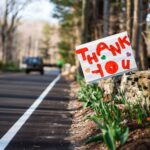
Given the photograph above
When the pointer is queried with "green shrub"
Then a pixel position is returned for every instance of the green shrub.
(111, 120)
(107, 115)
(9, 66)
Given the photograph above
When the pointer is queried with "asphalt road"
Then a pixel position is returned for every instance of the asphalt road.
(48, 126)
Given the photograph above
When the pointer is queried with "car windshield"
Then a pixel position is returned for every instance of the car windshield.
(34, 60)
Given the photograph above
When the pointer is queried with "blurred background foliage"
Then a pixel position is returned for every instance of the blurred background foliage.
(86, 20)
(69, 13)
(79, 21)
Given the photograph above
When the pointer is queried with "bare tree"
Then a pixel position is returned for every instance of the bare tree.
(129, 17)
(114, 23)
(106, 17)
(135, 31)
(92, 20)
(46, 41)
(92, 16)
(9, 22)
(139, 27)
(143, 45)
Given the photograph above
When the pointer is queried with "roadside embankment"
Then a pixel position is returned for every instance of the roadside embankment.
(129, 96)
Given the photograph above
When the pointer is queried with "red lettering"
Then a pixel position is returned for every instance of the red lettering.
(123, 41)
(100, 71)
(93, 57)
(126, 65)
(82, 52)
(111, 67)
(100, 47)
(113, 49)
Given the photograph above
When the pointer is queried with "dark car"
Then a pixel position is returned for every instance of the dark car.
(34, 64)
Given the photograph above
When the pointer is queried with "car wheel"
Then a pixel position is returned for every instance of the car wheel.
(42, 72)
(27, 71)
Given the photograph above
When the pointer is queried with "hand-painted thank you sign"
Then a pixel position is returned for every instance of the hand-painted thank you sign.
(106, 57)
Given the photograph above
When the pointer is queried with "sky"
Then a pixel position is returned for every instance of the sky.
(40, 10)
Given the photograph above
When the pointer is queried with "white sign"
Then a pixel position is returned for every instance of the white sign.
(106, 57)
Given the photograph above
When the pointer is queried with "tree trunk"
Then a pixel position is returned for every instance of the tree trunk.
(105, 17)
(129, 17)
(9, 22)
(9, 48)
(91, 21)
(4, 46)
(122, 15)
(143, 45)
(114, 18)
(139, 27)
(85, 21)
(7, 41)
(135, 32)
(98, 23)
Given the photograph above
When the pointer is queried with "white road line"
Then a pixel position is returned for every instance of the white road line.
(6, 139)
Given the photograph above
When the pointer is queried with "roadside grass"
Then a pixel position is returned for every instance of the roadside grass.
(112, 117)
(10, 67)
